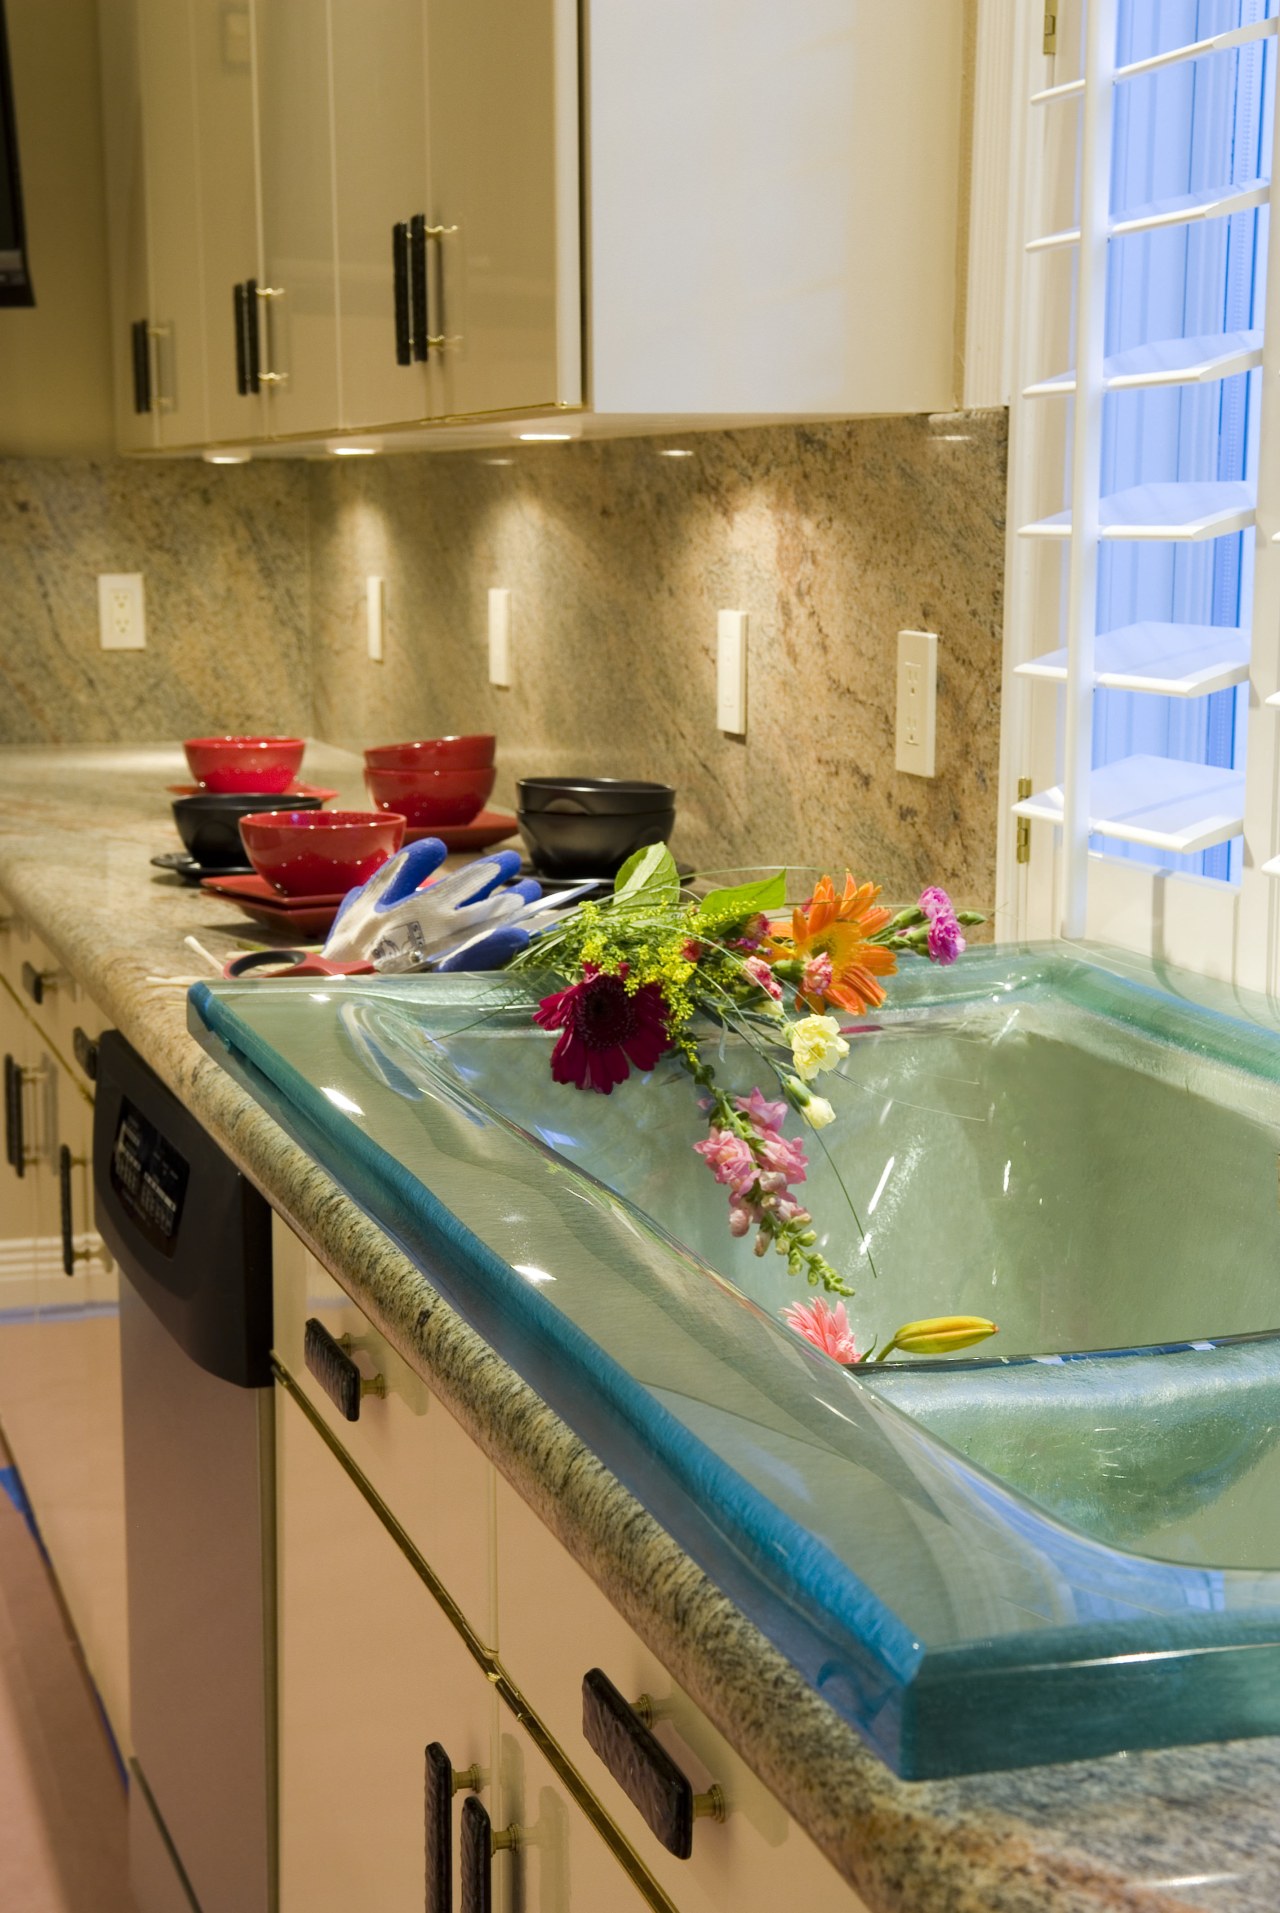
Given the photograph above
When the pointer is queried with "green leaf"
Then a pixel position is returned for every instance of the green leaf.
(745, 899)
(650, 873)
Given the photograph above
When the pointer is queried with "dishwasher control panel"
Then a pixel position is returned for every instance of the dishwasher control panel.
(149, 1177)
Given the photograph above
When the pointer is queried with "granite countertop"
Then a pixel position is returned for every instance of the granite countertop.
(1187, 1828)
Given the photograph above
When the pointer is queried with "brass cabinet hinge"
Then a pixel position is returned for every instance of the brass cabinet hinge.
(1024, 823)
(1051, 26)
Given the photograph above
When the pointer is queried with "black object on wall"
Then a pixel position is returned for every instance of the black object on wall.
(16, 288)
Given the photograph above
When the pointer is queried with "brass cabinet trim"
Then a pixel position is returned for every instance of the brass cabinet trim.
(512, 1696)
(43, 1033)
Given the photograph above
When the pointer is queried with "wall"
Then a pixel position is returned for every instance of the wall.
(55, 369)
(223, 553)
(831, 537)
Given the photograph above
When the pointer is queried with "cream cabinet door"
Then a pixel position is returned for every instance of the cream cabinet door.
(125, 175)
(75, 1473)
(380, 170)
(502, 117)
(370, 1674)
(297, 297)
(231, 248)
(556, 1861)
(177, 315)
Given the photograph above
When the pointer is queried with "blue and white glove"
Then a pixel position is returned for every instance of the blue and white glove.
(394, 924)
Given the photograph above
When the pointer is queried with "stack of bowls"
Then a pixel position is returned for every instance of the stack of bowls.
(436, 781)
(589, 826)
(209, 825)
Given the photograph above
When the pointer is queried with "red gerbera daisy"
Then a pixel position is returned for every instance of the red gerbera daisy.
(606, 1028)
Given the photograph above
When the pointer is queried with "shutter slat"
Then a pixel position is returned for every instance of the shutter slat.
(1159, 802)
(1162, 660)
(1212, 202)
(1198, 361)
(1170, 511)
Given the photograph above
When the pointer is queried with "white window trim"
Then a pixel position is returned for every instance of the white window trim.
(1227, 931)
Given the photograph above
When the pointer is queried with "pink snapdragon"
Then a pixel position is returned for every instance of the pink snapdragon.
(946, 939)
(730, 1159)
(827, 1328)
(762, 976)
(760, 1112)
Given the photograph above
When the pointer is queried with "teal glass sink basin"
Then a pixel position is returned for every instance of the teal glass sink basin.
(1058, 1544)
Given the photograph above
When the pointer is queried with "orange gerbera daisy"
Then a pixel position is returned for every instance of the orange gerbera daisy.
(839, 929)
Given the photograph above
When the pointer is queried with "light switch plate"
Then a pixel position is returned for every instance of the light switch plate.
(375, 615)
(731, 672)
(122, 612)
(500, 637)
(917, 702)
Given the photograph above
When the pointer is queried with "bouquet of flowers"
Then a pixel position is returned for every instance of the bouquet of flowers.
(637, 969)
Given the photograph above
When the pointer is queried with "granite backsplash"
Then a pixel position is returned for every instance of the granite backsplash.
(831, 537)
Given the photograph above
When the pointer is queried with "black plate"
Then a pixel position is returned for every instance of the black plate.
(186, 867)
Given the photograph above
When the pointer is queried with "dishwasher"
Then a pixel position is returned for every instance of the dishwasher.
(193, 1241)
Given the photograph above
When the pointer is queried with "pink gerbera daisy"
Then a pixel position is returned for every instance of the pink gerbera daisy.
(606, 1028)
(827, 1328)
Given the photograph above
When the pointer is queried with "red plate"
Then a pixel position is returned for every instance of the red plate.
(271, 800)
(490, 827)
(300, 916)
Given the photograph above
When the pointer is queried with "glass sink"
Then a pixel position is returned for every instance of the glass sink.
(1056, 1545)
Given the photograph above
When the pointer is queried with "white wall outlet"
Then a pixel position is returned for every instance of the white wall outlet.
(375, 603)
(122, 611)
(917, 702)
(731, 672)
(500, 637)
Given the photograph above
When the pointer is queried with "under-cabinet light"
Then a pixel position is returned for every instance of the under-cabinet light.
(544, 438)
(354, 451)
(227, 458)
(674, 452)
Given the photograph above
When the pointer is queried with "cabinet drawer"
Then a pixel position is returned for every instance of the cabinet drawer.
(426, 1469)
(554, 1625)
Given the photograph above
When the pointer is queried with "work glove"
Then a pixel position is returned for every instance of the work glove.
(395, 923)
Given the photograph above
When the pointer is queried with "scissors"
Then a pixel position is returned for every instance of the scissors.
(278, 963)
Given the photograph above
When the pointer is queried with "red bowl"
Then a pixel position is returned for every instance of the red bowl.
(313, 853)
(432, 797)
(266, 764)
(433, 753)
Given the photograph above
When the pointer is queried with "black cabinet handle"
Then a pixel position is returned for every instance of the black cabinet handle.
(64, 1194)
(252, 338)
(477, 1845)
(442, 1782)
(400, 282)
(86, 1052)
(15, 1153)
(242, 340)
(34, 981)
(335, 1371)
(141, 366)
(643, 1768)
(420, 329)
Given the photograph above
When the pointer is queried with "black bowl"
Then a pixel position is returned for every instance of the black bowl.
(578, 844)
(593, 796)
(209, 824)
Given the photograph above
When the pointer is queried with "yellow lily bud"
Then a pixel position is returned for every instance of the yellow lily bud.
(939, 1334)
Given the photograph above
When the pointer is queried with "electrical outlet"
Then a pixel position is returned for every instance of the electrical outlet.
(122, 615)
(917, 702)
(731, 672)
(500, 638)
(375, 616)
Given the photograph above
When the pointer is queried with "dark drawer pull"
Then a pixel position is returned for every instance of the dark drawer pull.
(643, 1768)
(419, 325)
(335, 1371)
(252, 339)
(139, 342)
(35, 982)
(86, 1053)
(241, 321)
(15, 1153)
(477, 1846)
(69, 1256)
(400, 287)
(442, 1781)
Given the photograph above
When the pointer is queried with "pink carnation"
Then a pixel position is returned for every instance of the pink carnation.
(762, 976)
(935, 903)
(827, 1328)
(817, 975)
(946, 940)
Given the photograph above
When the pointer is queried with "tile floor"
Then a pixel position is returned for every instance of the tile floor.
(63, 1840)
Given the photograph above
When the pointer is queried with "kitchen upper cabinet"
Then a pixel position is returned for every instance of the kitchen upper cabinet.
(177, 304)
(502, 130)
(380, 168)
(125, 167)
(230, 239)
(297, 316)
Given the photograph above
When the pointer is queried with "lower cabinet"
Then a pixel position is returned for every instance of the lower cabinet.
(383, 1711)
